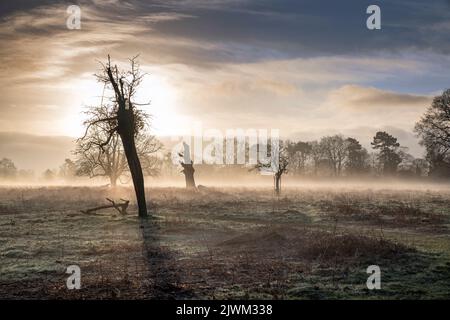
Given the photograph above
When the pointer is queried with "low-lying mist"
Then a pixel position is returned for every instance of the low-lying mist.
(249, 181)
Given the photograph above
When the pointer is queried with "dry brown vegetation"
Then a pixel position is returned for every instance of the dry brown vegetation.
(388, 212)
(225, 243)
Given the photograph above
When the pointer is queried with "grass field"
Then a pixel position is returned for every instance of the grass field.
(226, 243)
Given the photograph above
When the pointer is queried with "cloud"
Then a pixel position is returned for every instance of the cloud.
(39, 46)
(216, 32)
(284, 64)
(372, 99)
(356, 106)
(305, 28)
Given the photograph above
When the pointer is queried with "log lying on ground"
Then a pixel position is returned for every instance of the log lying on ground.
(121, 207)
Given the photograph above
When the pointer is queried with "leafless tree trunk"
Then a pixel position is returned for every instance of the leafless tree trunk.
(126, 132)
(188, 167)
(281, 168)
(277, 178)
(188, 171)
(126, 129)
(122, 120)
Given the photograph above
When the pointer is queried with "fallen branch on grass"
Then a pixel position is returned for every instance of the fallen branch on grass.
(121, 207)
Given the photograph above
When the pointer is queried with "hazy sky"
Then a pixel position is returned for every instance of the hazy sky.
(308, 68)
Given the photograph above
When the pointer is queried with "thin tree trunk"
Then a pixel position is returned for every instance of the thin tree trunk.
(277, 183)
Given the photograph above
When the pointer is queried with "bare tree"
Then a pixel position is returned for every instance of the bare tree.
(67, 170)
(7, 168)
(123, 119)
(97, 160)
(334, 148)
(299, 152)
(283, 163)
(317, 155)
(281, 166)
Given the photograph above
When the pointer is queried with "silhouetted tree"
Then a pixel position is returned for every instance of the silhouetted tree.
(317, 154)
(188, 167)
(68, 169)
(407, 166)
(278, 168)
(375, 166)
(94, 159)
(125, 120)
(434, 132)
(48, 175)
(281, 169)
(357, 156)
(388, 155)
(421, 167)
(167, 166)
(298, 153)
(334, 150)
(7, 168)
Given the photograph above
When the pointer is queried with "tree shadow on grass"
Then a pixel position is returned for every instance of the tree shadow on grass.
(163, 271)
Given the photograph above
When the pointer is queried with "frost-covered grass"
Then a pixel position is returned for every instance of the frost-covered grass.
(226, 243)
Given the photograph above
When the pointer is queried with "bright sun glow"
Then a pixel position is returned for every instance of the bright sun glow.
(80, 94)
(163, 108)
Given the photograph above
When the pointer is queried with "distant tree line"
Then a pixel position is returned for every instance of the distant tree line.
(330, 156)
(345, 156)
